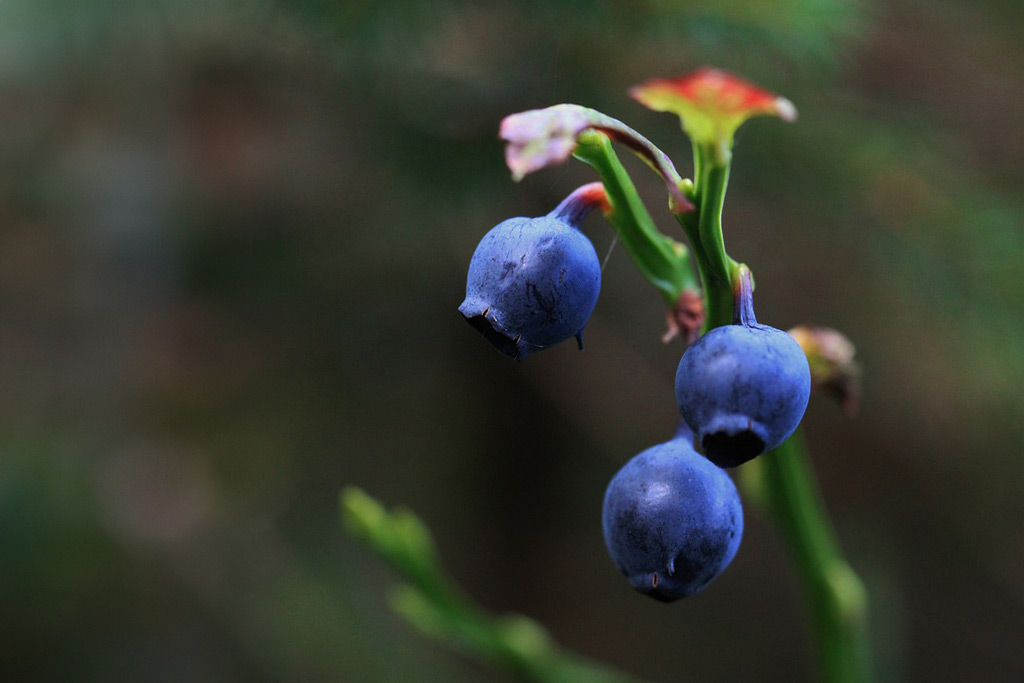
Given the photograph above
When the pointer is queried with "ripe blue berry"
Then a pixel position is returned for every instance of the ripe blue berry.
(672, 520)
(742, 388)
(533, 282)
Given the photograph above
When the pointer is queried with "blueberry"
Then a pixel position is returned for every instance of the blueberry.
(533, 282)
(672, 520)
(742, 388)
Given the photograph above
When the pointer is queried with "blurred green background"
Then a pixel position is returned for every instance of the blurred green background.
(233, 236)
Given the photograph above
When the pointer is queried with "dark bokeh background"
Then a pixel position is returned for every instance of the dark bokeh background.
(233, 235)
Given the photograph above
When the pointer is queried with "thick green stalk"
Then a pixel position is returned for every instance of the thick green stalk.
(784, 479)
(663, 261)
(834, 594)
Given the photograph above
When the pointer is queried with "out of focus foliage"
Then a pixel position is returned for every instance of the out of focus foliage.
(233, 235)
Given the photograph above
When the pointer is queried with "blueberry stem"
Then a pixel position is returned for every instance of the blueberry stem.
(710, 186)
(574, 208)
(743, 307)
(663, 261)
(679, 201)
(703, 229)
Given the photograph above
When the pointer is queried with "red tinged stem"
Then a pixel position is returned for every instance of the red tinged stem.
(583, 199)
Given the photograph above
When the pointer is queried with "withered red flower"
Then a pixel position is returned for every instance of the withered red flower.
(834, 370)
(543, 137)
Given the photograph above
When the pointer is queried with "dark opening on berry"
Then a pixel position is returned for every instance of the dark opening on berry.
(742, 388)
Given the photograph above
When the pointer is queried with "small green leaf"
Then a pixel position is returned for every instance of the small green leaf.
(362, 515)
(413, 606)
(525, 637)
(412, 534)
(433, 605)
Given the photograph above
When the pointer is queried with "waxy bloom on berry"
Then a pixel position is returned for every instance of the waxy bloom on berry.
(533, 282)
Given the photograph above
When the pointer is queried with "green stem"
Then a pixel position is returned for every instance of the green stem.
(663, 261)
(787, 485)
(703, 229)
(835, 595)
(431, 602)
(714, 181)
